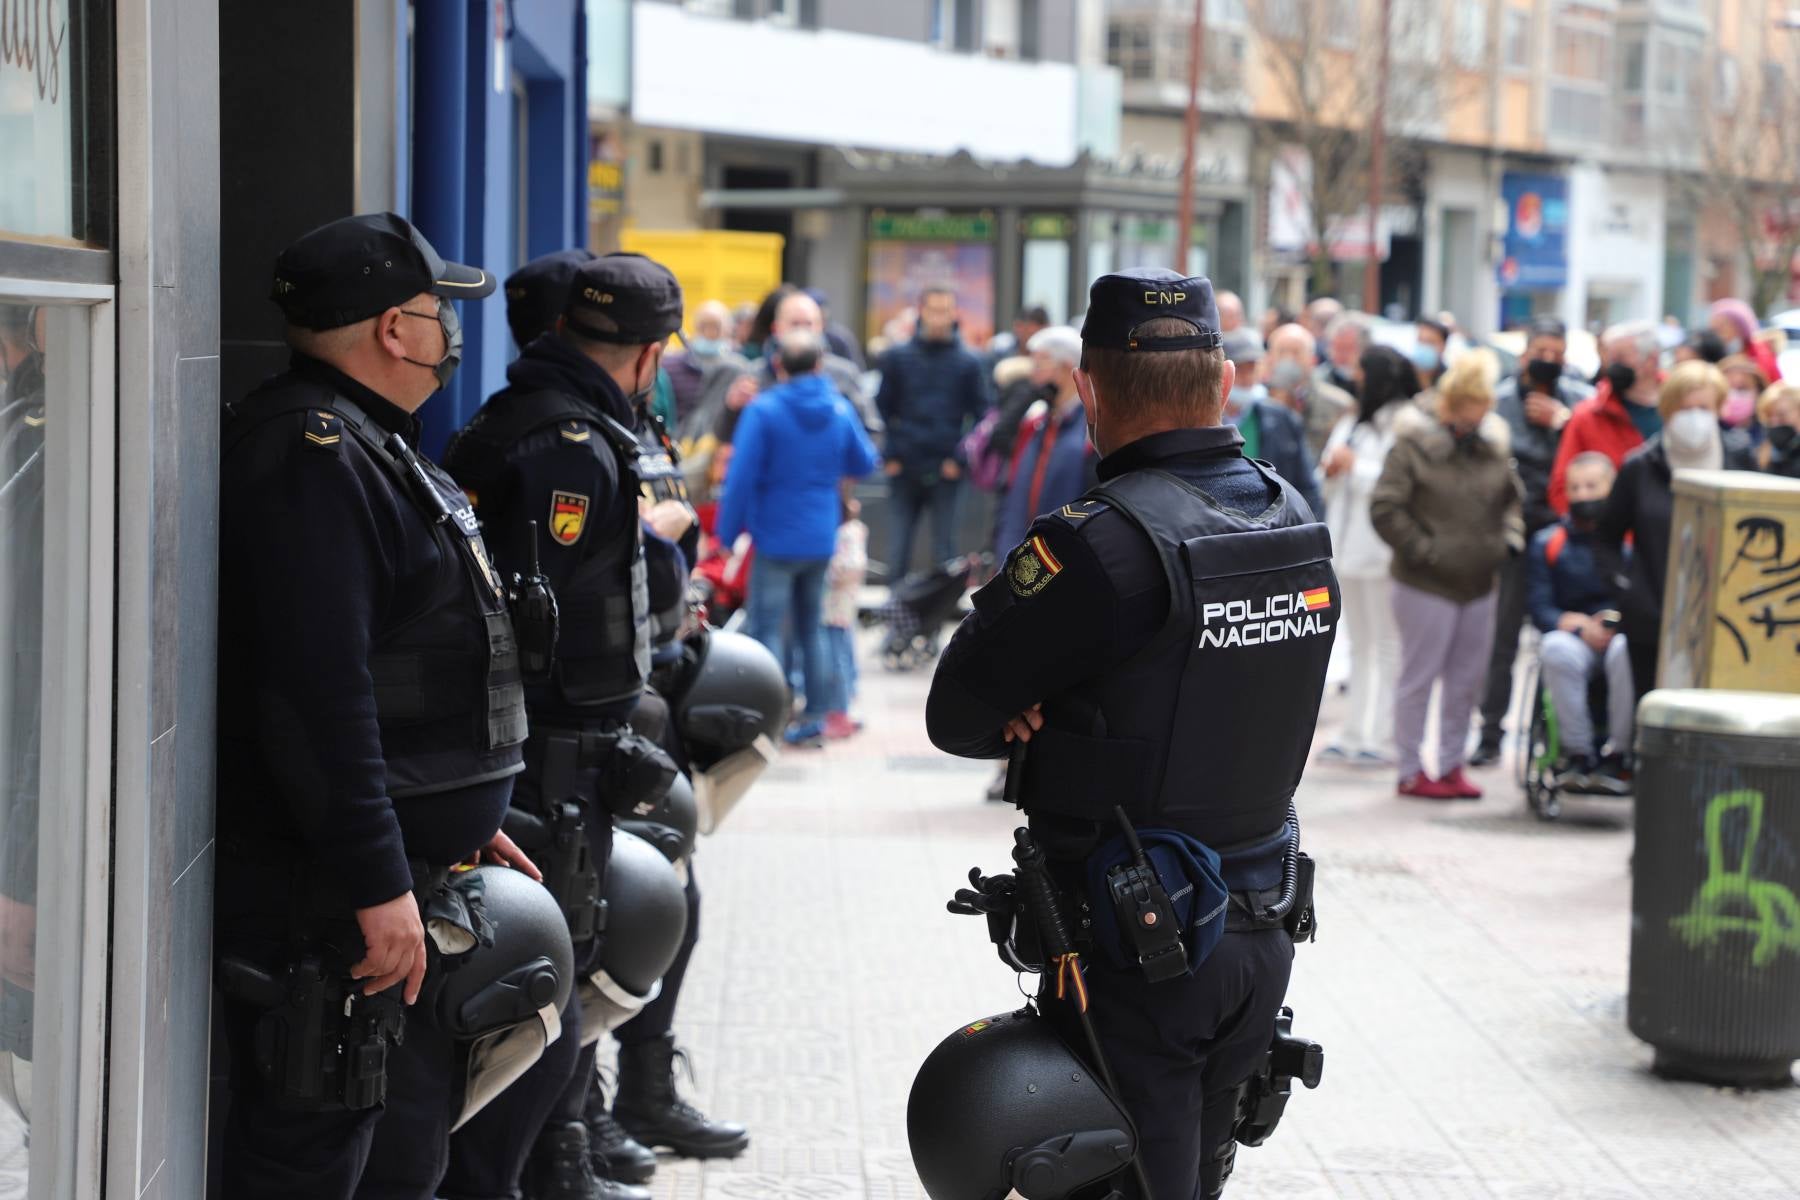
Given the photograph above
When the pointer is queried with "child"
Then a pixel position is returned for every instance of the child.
(1570, 587)
(843, 587)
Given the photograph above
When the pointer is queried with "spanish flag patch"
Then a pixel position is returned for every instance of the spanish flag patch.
(1031, 567)
(568, 515)
(1317, 598)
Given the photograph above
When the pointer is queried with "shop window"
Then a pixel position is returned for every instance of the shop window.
(46, 480)
(55, 123)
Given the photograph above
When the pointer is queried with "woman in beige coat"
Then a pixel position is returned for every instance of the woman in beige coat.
(1448, 503)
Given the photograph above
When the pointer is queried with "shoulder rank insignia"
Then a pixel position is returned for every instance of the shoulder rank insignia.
(568, 516)
(573, 432)
(1031, 567)
(324, 429)
(1079, 511)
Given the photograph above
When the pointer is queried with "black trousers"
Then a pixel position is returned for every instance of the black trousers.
(488, 1155)
(1509, 618)
(1179, 1049)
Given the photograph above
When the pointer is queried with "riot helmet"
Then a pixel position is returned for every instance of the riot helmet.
(1004, 1107)
(501, 969)
(670, 823)
(730, 703)
(646, 920)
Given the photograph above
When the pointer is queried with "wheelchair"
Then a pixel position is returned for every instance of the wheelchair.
(1540, 749)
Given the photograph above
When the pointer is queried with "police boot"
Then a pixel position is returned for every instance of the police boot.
(651, 1111)
(613, 1152)
(560, 1170)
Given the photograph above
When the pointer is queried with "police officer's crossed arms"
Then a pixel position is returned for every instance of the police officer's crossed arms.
(1160, 645)
(370, 726)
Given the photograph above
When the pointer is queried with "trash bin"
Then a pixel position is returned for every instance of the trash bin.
(1715, 923)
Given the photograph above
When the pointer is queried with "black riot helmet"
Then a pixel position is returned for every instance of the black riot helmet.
(501, 970)
(646, 919)
(670, 823)
(1003, 1106)
(509, 961)
(731, 693)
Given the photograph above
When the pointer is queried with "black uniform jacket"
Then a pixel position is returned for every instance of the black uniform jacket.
(320, 553)
(1108, 599)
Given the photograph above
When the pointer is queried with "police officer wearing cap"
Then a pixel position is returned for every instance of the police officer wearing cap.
(371, 722)
(1187, 600)
(570, 449)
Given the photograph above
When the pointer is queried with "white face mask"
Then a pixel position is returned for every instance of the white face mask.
(1691, 438)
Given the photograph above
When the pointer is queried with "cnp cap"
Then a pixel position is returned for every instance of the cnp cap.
(623, 298)
(1119, 305)
(353, 268)
(537, 291)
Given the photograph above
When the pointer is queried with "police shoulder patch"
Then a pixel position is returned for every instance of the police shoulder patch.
(568, 517)
(324, 430)
(1031, 567)
(573, 431)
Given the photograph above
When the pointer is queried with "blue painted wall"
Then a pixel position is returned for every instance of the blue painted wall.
(466, 190)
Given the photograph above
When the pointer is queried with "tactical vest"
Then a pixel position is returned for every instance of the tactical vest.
(1207, 728)
(603, 651)
(660, 478)
(448, 696)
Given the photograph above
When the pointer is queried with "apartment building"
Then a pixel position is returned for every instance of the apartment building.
(1546, 156)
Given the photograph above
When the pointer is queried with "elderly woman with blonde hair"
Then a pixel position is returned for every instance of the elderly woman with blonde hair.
(1448, 503)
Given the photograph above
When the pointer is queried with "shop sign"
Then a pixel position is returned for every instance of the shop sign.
(931, 227)
(1046, 226)
(1534, 256)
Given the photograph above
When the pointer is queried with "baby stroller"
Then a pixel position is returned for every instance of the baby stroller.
(917, 609)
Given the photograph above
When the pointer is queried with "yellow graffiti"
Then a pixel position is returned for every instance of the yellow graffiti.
(1730, 901)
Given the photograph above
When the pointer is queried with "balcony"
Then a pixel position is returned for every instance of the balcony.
(825, 87)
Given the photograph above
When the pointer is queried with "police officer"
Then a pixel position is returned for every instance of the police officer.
(563, 446)
(1161, 645)
(371, 722)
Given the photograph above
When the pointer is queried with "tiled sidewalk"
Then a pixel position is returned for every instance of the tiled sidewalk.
(1468, 986)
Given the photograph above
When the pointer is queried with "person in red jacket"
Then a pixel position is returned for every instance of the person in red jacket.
(1621, 414)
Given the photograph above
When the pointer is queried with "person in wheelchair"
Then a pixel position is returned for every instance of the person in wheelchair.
(1572, 591)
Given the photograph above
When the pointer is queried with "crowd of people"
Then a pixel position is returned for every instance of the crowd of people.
(1468, 502)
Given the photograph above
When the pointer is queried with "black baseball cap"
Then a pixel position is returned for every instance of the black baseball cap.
(353, 268)
(638, 297)
(1121, 303)
(537, 292)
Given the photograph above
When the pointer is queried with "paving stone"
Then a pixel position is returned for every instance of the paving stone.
(1468, 986)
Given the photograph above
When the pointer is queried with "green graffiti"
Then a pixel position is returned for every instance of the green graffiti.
(1730, 901)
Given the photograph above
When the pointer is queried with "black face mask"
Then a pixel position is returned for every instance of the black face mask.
(1783, 437)
(1622, 377)
(1587, 512)
(1543, 374)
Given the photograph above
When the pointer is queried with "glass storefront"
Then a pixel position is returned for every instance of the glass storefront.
(55, 122)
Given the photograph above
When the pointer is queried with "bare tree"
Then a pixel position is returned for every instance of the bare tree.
(1321, 58)
(1746, 138)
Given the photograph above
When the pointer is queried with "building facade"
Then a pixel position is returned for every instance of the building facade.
(154, 156)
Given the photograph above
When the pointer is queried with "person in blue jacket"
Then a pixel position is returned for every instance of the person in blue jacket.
(932, 389)
(1571, 587)
(794, 445)
(1272, 432)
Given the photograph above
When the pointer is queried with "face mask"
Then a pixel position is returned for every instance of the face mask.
(1692, 439)
(1587, 512)
(1544, 374)
(1740, 406)
(1622, 377)
(701, 347)
(1783, 437)
(446, 366)
(1424, 357)
(1286, 375)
